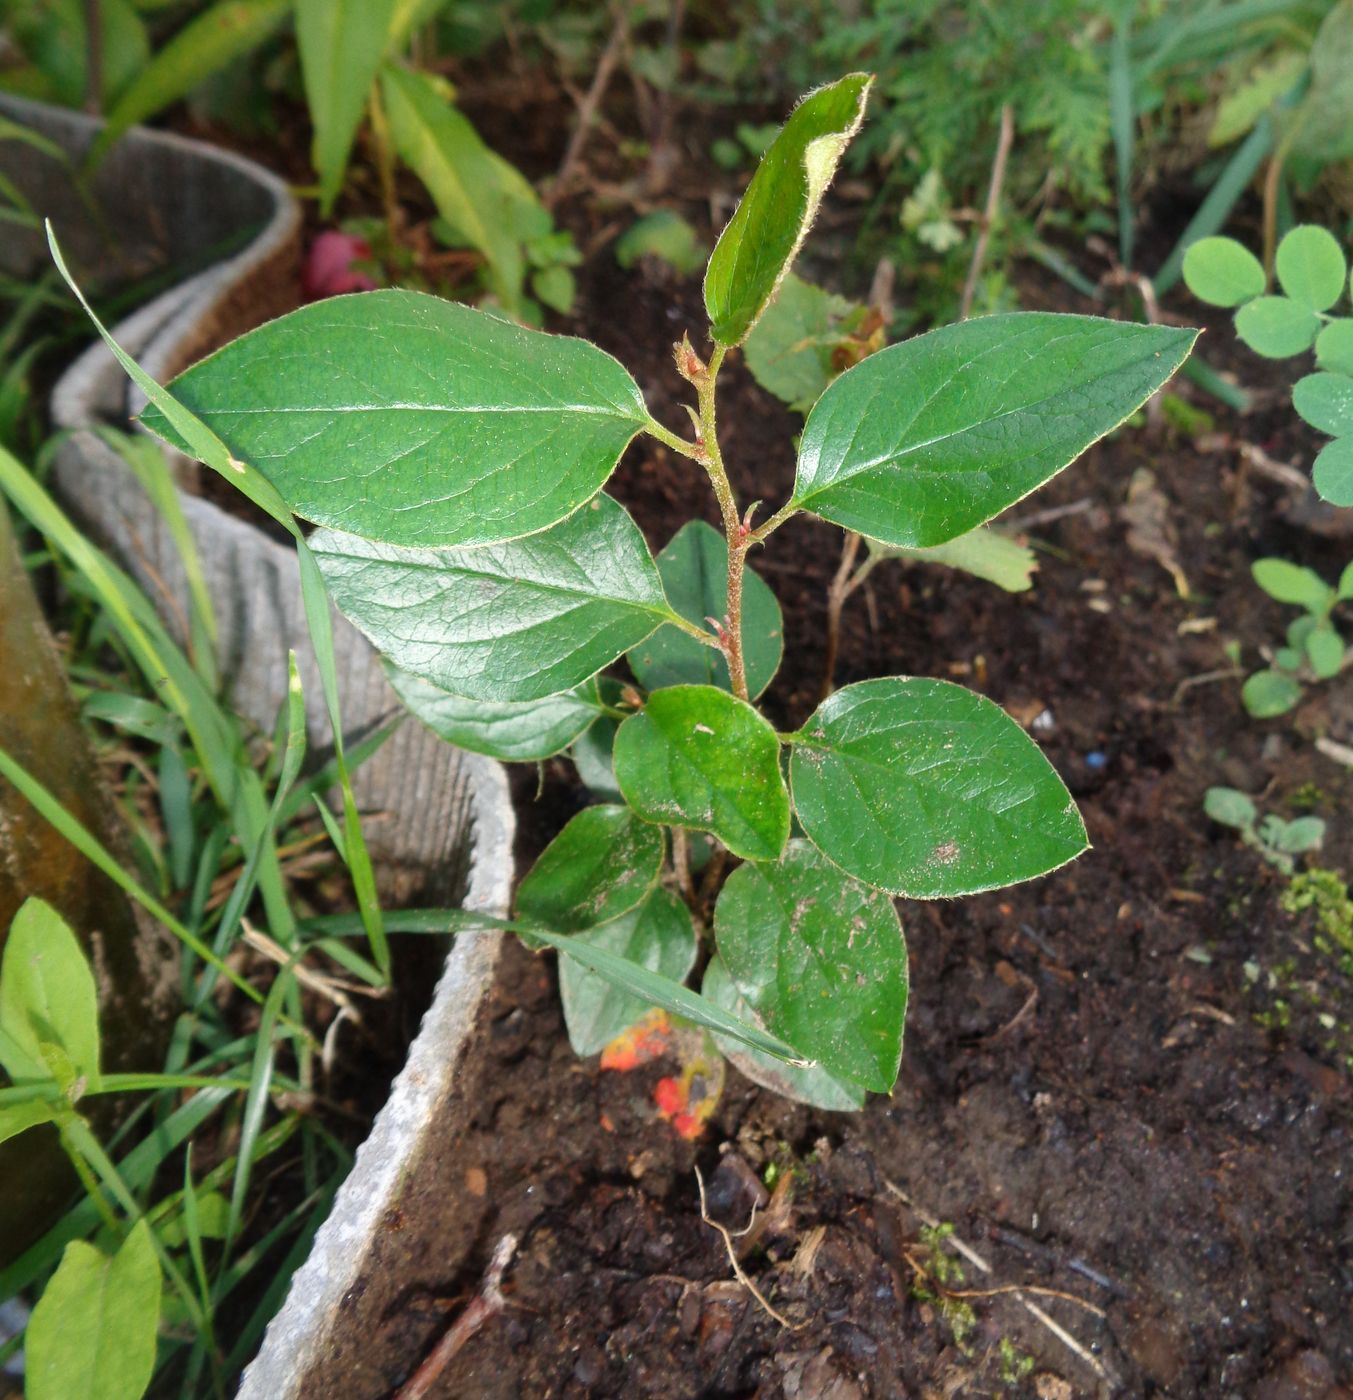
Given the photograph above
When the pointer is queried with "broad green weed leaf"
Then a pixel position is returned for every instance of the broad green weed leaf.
(600, 866)
(1334, 347)
(514, 621)
(789, 351)
(694, 570)
(415, 421)
(48, 1002)
(512, 732)
(1345, 586)
(1277, 327)
(664, 235)
(340, 43)
(1325, 401)
(93, 1332)
(1332, 473)
(1310, 266)
(659, 936)
(984, 553)
(16, 1118)
(1229, 807)
(1268, 694)
(813, 1085)
(1240, 108)
(1324, 121)
(757, 247)
(696, 756)
(1291, 583)
(925, 789)
(1222, 272)
(1325, 652)
(1293, 838)
(926, 440)
(821, 959)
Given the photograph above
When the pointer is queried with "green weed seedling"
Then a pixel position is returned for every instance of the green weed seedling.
(1313, 276)
(1314, 647)
(454, 463)
(1277, 839)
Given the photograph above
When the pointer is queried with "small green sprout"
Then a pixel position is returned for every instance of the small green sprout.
(1275, 838)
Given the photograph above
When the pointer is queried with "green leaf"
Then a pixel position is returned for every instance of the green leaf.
(926, 440)
(664, 235)
(54, 36)
(694, 570)
(924, 789)
(514, 621)
(1291, 583)
(1345, 586)
(789, 352)
(16, 1118)
(1334, 346)
(1276, 327)
(520, 732)
(602, 865)
(696, 756)
(1325, 651)
(812, 1085)
(1310, 266)
(659, 936)
(340, 43)
(1240, 108)
(1293, 838)
(762, 238)
(205, 45)
(821, 959)
(48, 1002)
(1332, 473)
(984, 553)
(556, 287)
(1269, 693)
(413, 420)
(592, 750)
(1325, 401)
(1324, 123)
(1229, 807)
(1222, 272)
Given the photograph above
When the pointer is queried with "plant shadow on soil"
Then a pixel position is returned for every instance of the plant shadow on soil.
(1087, 1091)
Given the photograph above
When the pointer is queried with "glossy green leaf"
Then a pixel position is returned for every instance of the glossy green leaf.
(696, 756)
(694, 569)
(1277, 327)
(659, 936)
(789, 352)
(812, 1085)
(514, 621)
(984, 553)
(512, 732)
(93, 1332)
(1269, 693)
(592, 750)
(821, 959)
(48, 1002)
(1325, 401)
(206, 44)
(602, 865)
(1223, 272)
(416, 421)
(16, 1118)
(340, 43)
(1324, 122)
(1292, 583)
(1334, 346)
(1332, 473)
(1311, 267)
(762, 238)
(1325, 652)
(926, 440)
(1229, 807)
(925, 789)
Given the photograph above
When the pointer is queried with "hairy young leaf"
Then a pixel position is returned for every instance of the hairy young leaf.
(1310, 266)
(925, 789)
(821, 959)
(49, 1008)
(1268, 694)
(696, 756)
(1334, 346)
(811, 1085)
(94, 1329)
(512, 732)
(514, 621)
(1229, 807)
(415, 421)
(1325, 401)
(984, 553)
(659, 936)
(1291, 583)
(926, 440)
(1277, 327)
(694, 570)
(756, 249)
(602, 865)
(1222, 272)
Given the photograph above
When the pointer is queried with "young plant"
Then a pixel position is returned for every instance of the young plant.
(1274, 837)
(1314, 279)
(1314, 647)
(455, 464)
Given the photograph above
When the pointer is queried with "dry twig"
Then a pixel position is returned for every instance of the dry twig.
(728, 1238)
(979, 251)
